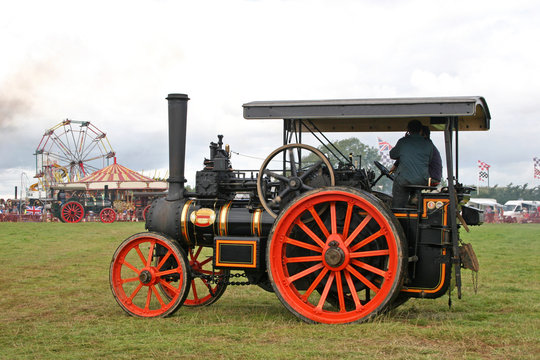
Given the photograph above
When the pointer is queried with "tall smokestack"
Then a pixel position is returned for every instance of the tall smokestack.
(177, 145)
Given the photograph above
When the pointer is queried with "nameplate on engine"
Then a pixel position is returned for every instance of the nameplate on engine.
(237, 252)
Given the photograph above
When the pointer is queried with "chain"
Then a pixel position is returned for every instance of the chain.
(222, 278)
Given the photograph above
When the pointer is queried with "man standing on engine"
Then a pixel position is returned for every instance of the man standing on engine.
(414, 154)
(435, 164)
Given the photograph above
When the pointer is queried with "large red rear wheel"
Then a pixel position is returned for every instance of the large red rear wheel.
(336, 256)
(134, 275)
(72, 212)
(107, 215)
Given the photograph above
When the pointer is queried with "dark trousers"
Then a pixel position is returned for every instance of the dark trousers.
(400, 194)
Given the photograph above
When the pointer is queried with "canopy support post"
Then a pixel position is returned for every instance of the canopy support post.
(455, 260)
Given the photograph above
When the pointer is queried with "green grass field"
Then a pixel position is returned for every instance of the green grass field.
(56, 303)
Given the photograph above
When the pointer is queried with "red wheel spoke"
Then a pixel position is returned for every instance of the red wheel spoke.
(202, 263)
(358, 229)
(310, 233)
(290, 241)
(340, 292)
(370, 268)
(168, 272)
(362, 278)
(123, 281)
(148, 299)
(150, 253)
(169, 286)
(333, 220)
(303, 273)
(206, 272)
(196, 256)
(157, 295)
(319, 221)
(287, 260)
(315, 283)
(135, 292)
(194, 290)
(140, 255)
(163, 260)
(348, 217)
(353, 290)
(324, 295)
(367, 240)
(130, 266)
(370, 253)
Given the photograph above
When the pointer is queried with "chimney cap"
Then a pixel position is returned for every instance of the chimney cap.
(177, 97)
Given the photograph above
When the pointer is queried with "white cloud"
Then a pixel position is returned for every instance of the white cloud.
(113, 63)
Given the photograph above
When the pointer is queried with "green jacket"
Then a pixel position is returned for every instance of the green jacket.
(414, 153)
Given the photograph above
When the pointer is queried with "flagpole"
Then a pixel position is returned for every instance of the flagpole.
(478, 185)
(478, 182)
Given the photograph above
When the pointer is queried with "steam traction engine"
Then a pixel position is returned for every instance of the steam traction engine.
(313, 232)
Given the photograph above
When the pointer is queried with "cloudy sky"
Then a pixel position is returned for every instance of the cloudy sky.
(113, 63)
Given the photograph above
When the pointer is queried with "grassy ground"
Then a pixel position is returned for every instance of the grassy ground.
(56, 303)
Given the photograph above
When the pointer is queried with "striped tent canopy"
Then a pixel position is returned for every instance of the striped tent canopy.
(117, 176)
(114, 172)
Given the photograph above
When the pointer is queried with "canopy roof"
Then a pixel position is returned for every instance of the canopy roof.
(373, 115)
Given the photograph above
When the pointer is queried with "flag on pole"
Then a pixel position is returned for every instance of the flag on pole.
(384, 151)
(536, 168)
(483, 171)
(34, 210)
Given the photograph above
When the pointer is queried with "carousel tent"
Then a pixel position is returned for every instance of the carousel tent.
(116, 177)
(120, 177)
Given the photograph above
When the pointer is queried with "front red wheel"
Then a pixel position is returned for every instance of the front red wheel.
(107, 215)
(336, 256)
(72, 212)
(135, 276)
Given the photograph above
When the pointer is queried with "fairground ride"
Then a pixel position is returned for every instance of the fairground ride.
(70, 151)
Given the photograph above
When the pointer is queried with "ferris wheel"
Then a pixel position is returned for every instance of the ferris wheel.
(70, 151)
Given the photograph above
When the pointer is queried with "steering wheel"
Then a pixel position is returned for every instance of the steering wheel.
(293, 174)
(384, 170)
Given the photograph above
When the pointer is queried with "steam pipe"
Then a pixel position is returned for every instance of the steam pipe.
(177, 145)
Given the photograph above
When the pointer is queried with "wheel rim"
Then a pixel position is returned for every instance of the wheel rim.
(145, 211)
(72, 212)
(107, 215)
(202, 291)
(349, 256)
(134, 279)
(292, 180)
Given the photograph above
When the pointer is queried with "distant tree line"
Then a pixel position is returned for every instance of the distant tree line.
(509, 192)
(365, 154)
